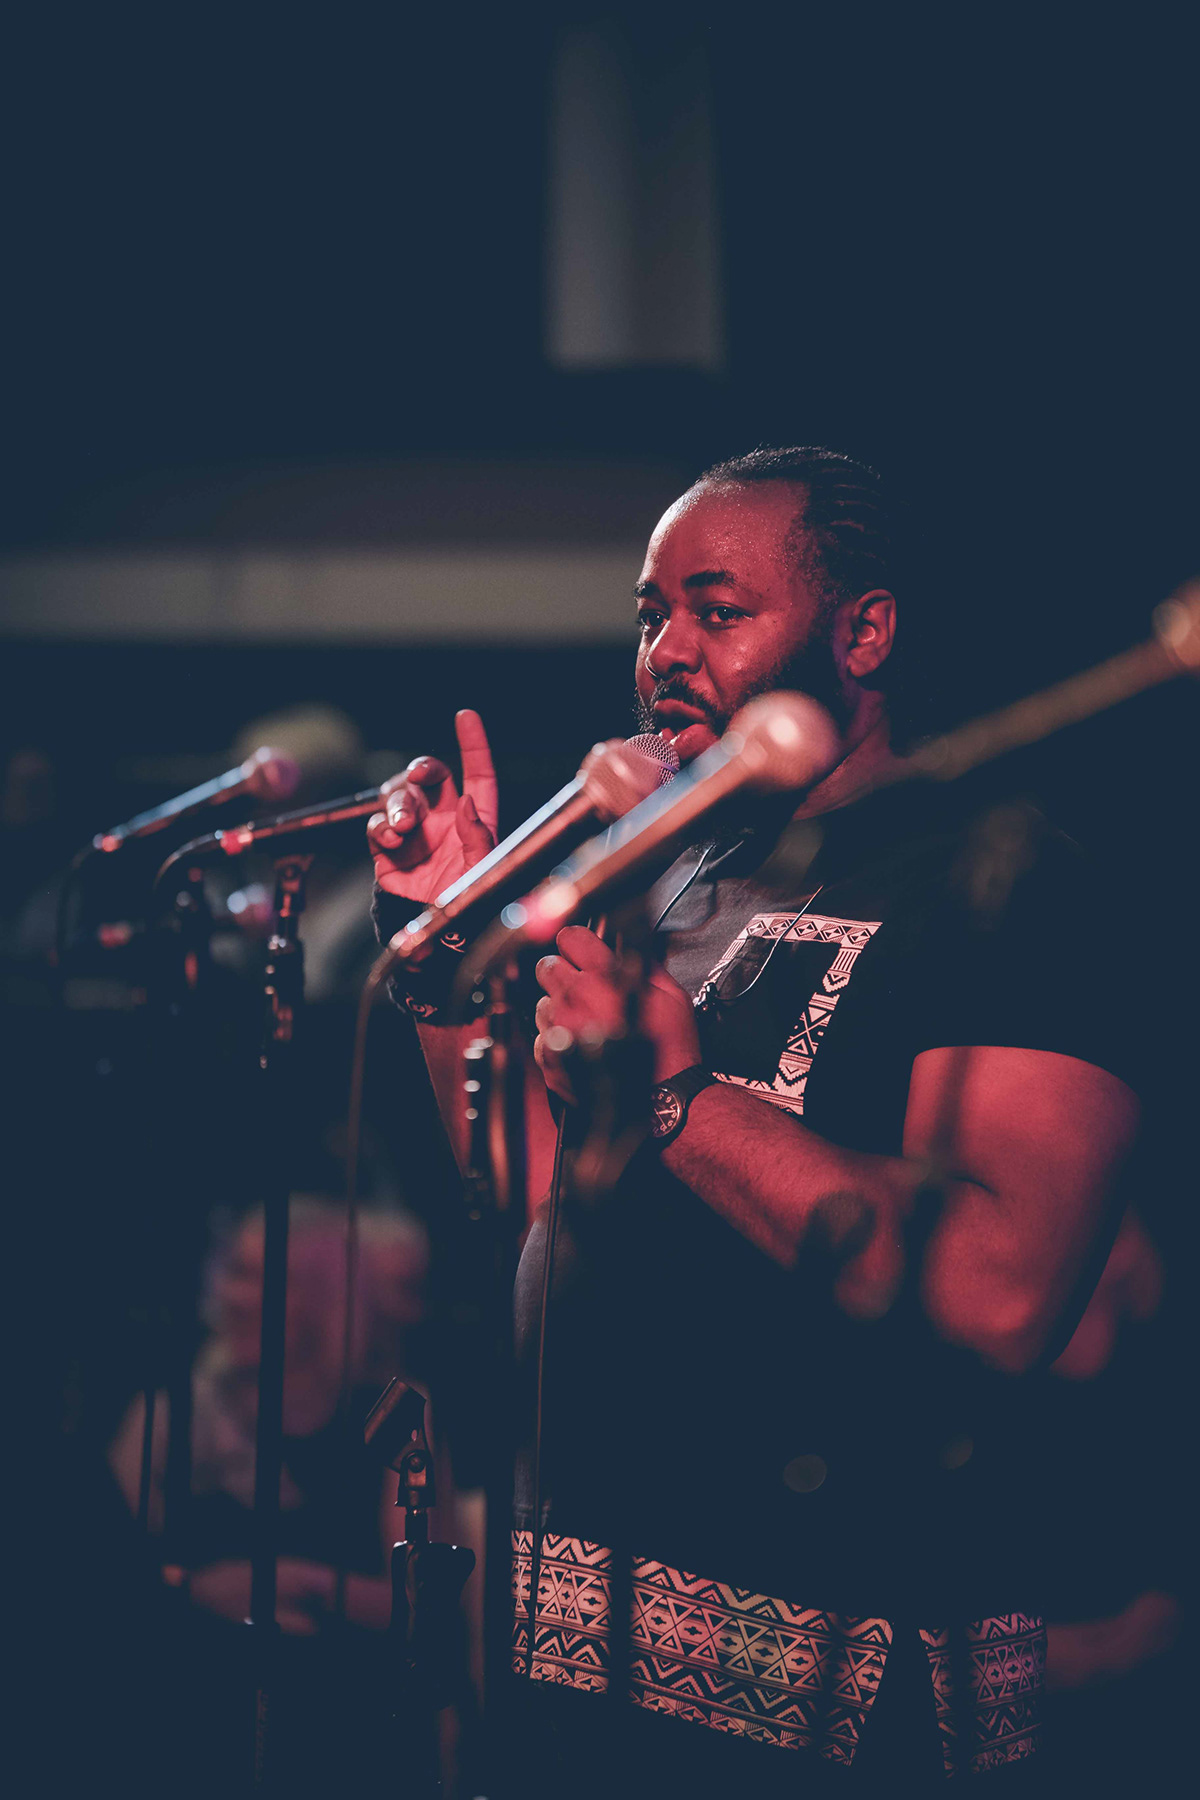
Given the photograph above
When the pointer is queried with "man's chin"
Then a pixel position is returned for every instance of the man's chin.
(692, 741)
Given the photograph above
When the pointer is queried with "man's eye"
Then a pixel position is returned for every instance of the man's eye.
(724, 615)
(649, 621)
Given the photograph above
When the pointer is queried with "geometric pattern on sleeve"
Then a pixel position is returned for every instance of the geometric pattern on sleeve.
(701, 1650)
(998, 1719)
(787, 1085)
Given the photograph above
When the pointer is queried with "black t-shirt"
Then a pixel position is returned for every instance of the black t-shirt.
(709, 1409)
(814, 1525)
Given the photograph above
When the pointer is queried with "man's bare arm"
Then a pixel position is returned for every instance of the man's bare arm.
(427, 836)
(1024, 1147)
(1044, 1138)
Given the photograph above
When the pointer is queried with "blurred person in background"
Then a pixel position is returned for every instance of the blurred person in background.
(321, 1525)
(337, 1508)
(339, 945)
(115, 891)
(325, 742)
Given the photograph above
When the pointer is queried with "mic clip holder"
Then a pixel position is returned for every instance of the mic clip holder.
(284, 973)
(395, 1432)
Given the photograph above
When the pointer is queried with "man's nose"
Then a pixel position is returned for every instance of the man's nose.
(676, 649)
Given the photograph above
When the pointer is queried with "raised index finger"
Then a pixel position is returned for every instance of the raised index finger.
(479, 776)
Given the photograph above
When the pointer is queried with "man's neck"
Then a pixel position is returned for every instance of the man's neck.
(870, 762)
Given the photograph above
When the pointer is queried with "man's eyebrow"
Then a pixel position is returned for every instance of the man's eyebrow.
(703, 578)
(710, 578)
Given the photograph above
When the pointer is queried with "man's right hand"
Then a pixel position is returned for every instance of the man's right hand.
(428, 836)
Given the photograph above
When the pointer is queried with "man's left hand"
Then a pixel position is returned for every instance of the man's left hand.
(586, 1003)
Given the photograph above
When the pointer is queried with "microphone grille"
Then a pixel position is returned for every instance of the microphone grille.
(617, 776)
(649, 744)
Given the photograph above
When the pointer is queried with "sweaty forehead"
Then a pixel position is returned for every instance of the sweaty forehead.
(742, 529)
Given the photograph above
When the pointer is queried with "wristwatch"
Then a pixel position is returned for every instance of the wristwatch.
(669, 1103)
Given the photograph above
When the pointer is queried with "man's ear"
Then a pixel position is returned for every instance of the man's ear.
(871, 623)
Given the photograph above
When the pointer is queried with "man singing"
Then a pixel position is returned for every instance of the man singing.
(788, 1488)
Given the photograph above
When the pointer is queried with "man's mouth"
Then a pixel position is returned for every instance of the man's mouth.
(688, 728)
(674, 715)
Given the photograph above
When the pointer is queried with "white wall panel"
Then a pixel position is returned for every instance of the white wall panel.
(398, 595)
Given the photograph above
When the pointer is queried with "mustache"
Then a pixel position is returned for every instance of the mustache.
(677, 689)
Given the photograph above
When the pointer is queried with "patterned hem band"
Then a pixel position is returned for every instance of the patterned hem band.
(762, 1668)
(1004, 1662)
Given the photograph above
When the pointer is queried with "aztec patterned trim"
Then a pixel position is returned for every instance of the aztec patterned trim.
(1004, 1660)
(719, 1656)
(852, 936)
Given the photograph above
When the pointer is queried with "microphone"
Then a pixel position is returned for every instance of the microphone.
(775, 744)
(267, 775)
(610, 783)
(235, 839)
(603, 789)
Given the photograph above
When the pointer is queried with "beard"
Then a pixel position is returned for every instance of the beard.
(811, 670)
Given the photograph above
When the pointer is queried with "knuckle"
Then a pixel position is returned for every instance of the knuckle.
(426, 770)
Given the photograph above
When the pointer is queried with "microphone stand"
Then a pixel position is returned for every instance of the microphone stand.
(596, 1141)
(496, 1193)
(179, 966)
(186, 991)
(284, 991)
(426, 1633)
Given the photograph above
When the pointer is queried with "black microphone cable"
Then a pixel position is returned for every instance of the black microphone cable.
(553, 1214)
(358, 1067)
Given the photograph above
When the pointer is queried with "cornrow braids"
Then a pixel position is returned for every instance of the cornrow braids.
(845, 540)
(842, 537)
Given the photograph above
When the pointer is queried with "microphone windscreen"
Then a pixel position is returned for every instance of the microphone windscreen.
(788, 742)
(272, 774)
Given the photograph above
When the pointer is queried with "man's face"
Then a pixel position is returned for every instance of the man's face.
(725, 614)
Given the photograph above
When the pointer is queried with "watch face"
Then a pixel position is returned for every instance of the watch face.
(667, 1111)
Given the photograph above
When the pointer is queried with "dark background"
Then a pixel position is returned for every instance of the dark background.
(960, 250)
(957, 244)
